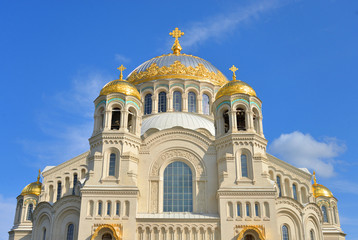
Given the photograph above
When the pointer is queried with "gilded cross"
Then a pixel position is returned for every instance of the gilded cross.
(233, 69)
(38, 177)
(121, 68)
(176, 33)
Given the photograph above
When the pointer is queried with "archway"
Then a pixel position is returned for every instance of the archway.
(250, 233)
(106, 232)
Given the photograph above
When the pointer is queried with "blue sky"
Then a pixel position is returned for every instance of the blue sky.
(300, 57)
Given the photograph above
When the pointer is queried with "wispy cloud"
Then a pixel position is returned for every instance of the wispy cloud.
(219, 26)
(121, 58)
(65, 122)
(302, 150)
(7, 213)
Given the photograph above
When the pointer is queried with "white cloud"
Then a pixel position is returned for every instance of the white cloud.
(7, 213)
(219, 26)
(121, 58)
(302, 150)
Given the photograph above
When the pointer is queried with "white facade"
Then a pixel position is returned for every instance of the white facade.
(128, 185)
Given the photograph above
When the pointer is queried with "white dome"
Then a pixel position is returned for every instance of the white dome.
(177, 119)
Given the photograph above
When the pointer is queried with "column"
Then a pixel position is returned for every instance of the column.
(233, 120)
(199, 104)
(154, 104)
(107, 119)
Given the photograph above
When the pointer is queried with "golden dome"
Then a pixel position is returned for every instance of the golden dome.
(234, 87)
(33, 188)
(320, 190)
(120, 86)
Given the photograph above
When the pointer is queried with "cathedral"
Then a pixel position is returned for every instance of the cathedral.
(177, 152)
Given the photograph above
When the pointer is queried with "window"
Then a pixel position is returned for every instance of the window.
(19, 205)
(226, 121)
(101, 120)
(126, 206)
(206, 104)
(278, 181)
(51, 193)
(248, 211)
(99, 212)
(240, 119)
(312, 234)
(29, 211)
(148, 104)
(90, 208)
(116, 119)
(238, 209)
(178, 189)
(335, 215)
(285, 233)
(294, 189)
(118, 208)
(112, 165)
(59, 190)
(162, 102)
(255, 119)
(109, 205)
(324, 212)
(131, 122)
(70, 229)
(267, 209)
(257, 210)
(244, 172)
(230, 210)
(44, 234)
(191, 102)
(74, 183)
(177, 101)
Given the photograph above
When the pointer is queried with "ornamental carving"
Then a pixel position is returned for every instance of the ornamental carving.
(114, 228)
(259, 229)
(177, 70)
(177, 154)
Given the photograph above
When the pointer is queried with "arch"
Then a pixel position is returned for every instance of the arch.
(90, 208)
(279, 185)
(30, 209)
(247, 230)
(42, 222)
(83, 173)
(334, 213)
(285, 232)
(118, 208)
(238, 209)
(267, 209)
(116, 118)
(70, 231)
(132, 120)
(271, 175)
(99, 208)
(287, 188)
(241, 118)
(256, 120)
(104, 228)
(178, 188)
(312, 235)
(244, 165)
(162, 101)
(206, 104)
(324, 213)
(112, 165)
(248, 209)
(67, 185)
(177, 101)
(19, 210)
(223, 122)
(304, 195)
(294, 191)
(109, 208)
(192, 102)
(126, 208)
(230, 210)
(51, 193)
(75, 179)
(257, 209)
(226, 119)
(148, 103)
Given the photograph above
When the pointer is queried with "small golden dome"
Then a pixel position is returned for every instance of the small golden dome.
(120, 86)
(234, 87)
(33, 188)
(320, 190)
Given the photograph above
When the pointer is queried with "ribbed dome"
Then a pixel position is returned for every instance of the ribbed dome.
(168, 120)
(120, 86)
(321, 191)
(234, 87)
(177, 66)
(32, 188)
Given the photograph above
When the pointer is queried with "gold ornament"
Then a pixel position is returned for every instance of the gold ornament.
(176, 46)
(319, 190)
(233, 69)
(235, 87)
(121, 68)
(177, 70)
(33, 188)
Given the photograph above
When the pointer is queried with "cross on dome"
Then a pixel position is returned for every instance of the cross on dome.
(121, 68)
(233, 69)
(176, 33)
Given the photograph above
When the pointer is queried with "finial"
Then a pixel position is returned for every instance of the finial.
(314, 177)
(38, 177)
(121, 68)
(233, 69)
(176, 46)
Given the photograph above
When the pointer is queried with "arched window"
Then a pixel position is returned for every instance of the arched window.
(312, 235)
(59, 190)
(90, 208)
(70, 229)
(131, 122)
(83, 173)
(304, 195)
(244, 170)
(238, 209)
(19, 205)
(44, 234)
(116, 119)
(67, 185)
(240, 119)
(267, 209)
(178, 188)
(285, 235)
(99, 210)
(162, 102)
(51, 193)
(112, 165)
(109, 206)
(335, 215)
(148, 104)
(191, 102)
(324, 212)
(257, 210)
(126, 206)
(118, 208)
(177, 101)
(294, 189)
(230, 210)
(248, 210)
(255, 119)
(74, 183)
(278, 181)
(29, 211)
(226, 121)
(206, 104)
